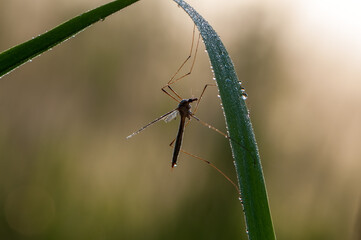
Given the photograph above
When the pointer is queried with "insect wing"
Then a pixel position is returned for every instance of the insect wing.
(171, 116)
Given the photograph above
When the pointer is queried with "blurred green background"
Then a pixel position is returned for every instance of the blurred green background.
(67, 171)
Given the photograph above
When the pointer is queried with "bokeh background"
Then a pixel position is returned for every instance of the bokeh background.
(67, 171)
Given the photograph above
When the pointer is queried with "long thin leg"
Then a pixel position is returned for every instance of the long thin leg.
(213, 166)
(174, 79)
(170, 95)
(210, 164)
(226, 136)
(186, 60)
(200, 97)
(191, 69)
(210, 126)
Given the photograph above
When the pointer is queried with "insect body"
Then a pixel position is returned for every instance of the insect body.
(183, 110)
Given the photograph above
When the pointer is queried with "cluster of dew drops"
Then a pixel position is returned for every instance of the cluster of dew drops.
(244, 95)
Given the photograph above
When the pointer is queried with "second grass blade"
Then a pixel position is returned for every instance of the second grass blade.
(14, 57)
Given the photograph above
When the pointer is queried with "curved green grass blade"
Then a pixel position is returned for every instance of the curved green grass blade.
(20, 54)
(242, 139)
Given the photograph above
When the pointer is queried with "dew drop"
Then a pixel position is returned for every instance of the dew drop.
(243, 92)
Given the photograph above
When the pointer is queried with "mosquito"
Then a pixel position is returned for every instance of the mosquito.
(184, 110)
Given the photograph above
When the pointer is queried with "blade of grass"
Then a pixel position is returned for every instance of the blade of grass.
(242, 140)
(20, 54)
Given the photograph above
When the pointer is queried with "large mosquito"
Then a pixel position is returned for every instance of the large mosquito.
(184, 110)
